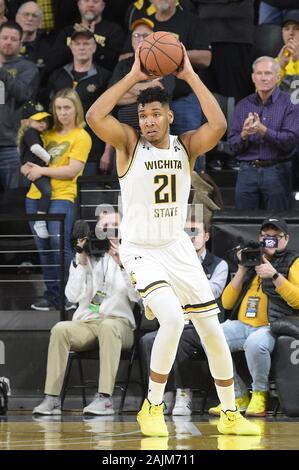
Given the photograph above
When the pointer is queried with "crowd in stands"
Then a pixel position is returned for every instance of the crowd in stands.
(56, 58)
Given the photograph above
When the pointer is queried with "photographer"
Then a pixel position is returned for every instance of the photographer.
(104, 317)
(257, 297)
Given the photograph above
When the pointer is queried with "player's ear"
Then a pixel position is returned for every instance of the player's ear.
(170, 116)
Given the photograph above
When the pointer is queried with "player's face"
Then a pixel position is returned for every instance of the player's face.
(154, 121)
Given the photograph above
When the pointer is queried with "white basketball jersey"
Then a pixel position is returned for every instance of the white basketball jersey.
(155, 191)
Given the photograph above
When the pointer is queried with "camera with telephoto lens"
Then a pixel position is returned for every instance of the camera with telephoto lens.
(92, 245)
(252, 252)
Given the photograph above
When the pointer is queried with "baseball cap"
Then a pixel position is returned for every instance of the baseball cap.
(33, 111)
(291, 15)
(82, 32)
(145, 21)
(278, 223)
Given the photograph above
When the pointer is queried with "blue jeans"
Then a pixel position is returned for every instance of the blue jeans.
(270, 15)
(187, 114)
(10, 176)
(258, 344)
(271, 186)
(49, 259)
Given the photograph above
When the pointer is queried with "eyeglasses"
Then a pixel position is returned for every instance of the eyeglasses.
(139, 35)
(266, 235)
(28, 15)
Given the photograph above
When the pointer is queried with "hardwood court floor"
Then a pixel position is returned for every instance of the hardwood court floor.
(72, 432)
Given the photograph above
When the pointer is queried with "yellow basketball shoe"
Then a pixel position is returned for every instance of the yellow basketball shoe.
(232, 422)
(258, 404)
(151, 420)
(241, 404)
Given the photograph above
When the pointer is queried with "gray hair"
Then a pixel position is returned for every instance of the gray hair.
(266, 58)
(21, 8)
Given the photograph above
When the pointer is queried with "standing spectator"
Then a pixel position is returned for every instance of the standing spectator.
(273, 11)
(56, 13)
(216, 270)
(108, 35)
(230, 25)
(264, 134)
(69, 145)
(142, 8)
(36, 46)
(20, 80)
(89, 80)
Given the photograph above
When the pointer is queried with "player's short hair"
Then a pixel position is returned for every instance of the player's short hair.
(151, 94)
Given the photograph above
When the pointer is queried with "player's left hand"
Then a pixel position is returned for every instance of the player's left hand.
(265, 270)
(186, 66)
(137, 70)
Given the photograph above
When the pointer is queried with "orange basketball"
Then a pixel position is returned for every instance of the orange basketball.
(161, 53)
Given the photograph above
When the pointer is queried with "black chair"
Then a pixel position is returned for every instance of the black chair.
(267, 40)
(126, 355)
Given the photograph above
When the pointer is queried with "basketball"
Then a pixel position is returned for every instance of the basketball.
(161, 53)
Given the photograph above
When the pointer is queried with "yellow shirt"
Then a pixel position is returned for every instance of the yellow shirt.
(292, 68)
(289, 291)
(74, 145)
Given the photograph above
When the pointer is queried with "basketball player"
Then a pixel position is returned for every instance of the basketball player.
(154, 172)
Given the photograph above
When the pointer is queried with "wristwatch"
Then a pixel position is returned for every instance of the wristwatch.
(275, 276)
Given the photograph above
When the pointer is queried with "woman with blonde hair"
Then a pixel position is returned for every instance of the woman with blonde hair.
(69, 145)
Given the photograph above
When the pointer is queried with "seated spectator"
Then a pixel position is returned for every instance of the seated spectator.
(273, 11)
(89, 80)
(108, 35)
(103, 318)
(30, 144)
(19, 79)
(264, 136)
(256, 297)
(288, 57)
(216, 270)
(69, 145)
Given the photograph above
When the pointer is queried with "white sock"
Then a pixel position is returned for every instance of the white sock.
(155, 392)
(227, 397)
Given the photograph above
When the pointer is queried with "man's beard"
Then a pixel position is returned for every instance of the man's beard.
(163, 6)
(89, 16)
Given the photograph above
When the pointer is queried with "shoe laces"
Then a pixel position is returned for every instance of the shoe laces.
(156, 410)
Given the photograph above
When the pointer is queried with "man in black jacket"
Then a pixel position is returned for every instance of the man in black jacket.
(257, 297)
(89, 80)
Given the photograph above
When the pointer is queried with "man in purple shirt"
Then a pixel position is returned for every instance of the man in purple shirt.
(264, 134)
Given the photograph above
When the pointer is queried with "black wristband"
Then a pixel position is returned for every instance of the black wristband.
(275, 276)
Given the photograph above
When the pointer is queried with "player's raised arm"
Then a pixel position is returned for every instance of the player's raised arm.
(98, 117)
(206, 136)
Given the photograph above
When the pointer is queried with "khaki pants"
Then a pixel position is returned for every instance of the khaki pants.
(112, 334)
